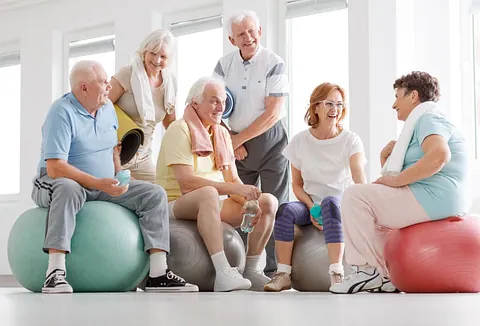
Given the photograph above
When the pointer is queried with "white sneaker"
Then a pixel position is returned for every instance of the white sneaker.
(258, 279)
(229, 279)
(364, 278)
(387, 287)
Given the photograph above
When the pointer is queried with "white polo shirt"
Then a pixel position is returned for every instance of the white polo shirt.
(250, 81)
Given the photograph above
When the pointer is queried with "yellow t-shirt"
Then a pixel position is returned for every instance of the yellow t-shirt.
(177, 149)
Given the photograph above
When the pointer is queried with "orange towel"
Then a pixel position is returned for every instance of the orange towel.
(201, 143)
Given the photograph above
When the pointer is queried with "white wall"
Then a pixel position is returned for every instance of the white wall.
(383, 44)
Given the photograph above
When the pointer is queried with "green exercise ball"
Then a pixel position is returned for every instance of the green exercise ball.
(107, 249)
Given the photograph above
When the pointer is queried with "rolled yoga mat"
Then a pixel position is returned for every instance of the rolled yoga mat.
(129, 135)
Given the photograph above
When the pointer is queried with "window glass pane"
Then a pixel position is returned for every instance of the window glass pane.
(10, 131)
(315, 60)
(198, 55)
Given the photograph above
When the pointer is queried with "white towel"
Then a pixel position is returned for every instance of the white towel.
(394, 163)
(142, 92)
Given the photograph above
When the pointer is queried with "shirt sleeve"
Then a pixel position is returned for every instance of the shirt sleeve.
(178, 147)
(290, 152)
(355, 147)
(123, 76)
(218, 71)
(277, 80)
(432, 124)
(57, 135)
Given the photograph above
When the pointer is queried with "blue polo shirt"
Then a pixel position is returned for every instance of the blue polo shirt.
(446, 193)
(86, 142)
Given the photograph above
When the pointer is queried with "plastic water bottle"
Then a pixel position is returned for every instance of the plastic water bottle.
(316, 212)
(123, 177)
(251, 208)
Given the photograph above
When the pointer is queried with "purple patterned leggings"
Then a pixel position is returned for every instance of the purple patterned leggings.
(296, 213)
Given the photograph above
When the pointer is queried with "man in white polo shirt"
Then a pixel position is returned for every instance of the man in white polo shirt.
(258, 82)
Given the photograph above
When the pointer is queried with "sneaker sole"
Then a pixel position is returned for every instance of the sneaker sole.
(64, 290)
(266, 289)
(173, 289)
(245, 286)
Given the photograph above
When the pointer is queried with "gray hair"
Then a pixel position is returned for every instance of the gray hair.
(84, 71)
(197, 89)
(240, 16)
(157, 40)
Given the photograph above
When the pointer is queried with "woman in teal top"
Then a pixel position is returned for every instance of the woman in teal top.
(425, 178)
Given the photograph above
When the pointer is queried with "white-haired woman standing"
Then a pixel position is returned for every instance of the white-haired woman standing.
(146, 91)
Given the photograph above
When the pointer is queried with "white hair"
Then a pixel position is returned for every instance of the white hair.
(197, 89)
(156, 40)
(239, 17)
(84, 71)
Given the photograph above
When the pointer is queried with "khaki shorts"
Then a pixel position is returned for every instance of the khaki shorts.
(171, 204)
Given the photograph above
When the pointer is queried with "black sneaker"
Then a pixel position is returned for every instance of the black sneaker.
(56, 283)
(169, 283)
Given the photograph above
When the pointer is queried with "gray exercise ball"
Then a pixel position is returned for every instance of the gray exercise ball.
(189, 257)
(310, 261)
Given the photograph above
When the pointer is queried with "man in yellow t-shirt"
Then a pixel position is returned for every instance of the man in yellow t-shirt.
(194, 186)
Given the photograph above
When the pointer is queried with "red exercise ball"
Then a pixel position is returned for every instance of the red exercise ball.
(437, 256)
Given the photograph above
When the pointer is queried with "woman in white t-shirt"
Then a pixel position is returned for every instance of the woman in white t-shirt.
(146, 91)
(325, 159)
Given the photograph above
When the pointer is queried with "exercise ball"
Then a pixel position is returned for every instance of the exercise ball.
(437, 256)
(106, 249)
(190, 259)
(229, 104)
(310, 261)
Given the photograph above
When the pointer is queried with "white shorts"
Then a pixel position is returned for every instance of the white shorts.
(172, 203)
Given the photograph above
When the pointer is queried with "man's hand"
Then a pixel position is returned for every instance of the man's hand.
(236, 141)
(257, 216)
(241, 153)
(110, 187)
(387, 150)
(246, 191)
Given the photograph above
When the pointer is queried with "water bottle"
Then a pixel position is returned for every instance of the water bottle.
(251, 208)
(316, 212)
(123, 177)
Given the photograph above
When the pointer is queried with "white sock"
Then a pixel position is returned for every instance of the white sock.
(252, 263)
(56, 261)
(336, 268)
(220, 261)
(158, 264)
(282, 268)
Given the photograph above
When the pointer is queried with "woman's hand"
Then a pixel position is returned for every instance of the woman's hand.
(389, 180)
(315, 223)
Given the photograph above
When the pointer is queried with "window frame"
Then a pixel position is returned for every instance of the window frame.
(85, 34)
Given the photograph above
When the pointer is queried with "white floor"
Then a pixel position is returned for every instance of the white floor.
(21, 308)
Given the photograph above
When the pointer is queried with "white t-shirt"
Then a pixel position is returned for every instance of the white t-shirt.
(250, 82)
(324, 164)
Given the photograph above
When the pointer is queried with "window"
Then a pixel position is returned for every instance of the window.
(200, 45)
(318, 59)
(101, 49)
(476, 41)
(10, 97)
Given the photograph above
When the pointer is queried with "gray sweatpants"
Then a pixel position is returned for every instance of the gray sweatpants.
(265, 166)
(64, 198)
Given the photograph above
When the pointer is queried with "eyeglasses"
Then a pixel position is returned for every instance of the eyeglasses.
(332, 105)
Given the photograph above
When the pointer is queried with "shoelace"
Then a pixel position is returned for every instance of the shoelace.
(233, 271)
(337, 278)
(58, 277)
(276, 278)
(175, 277)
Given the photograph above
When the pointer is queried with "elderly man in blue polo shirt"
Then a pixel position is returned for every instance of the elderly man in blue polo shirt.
(258, 82)
(78, 164)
